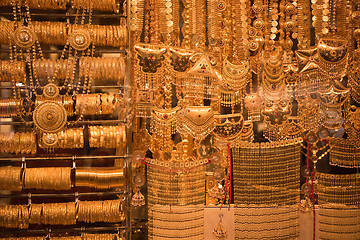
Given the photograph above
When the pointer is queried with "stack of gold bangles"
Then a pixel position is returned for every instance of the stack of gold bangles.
(10, 178)
(57, 178)
(40, 4)
(85, 236)
(97, 5)
(100, 211)
(99, 178)
(95, 103)
(67, 213)
(20, 142)
(58, 33)
(12, 71)
(53, 213)
(57, 68)
(10, 107)
(102, 67)
(107, 137)
(71, 138)
(14, 216)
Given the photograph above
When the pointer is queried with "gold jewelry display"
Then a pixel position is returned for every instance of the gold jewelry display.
(197, 121)
(19, 142)
(108, 137)
(12, 71)
(99, 178)
(352, 126)
(181, 221)
(229, 127)
(277, 186)
(40, 4)
(339, 205)
(58, 213)
(10, 178)
(100, 211)
(57, 178)
(163, 121)
(201, 81)
(58, 33)
(267, 221)
(344, 153)
(150, 67)
(68, 138)
(14, 216)
(106, 6)
(95, 103)
(103, 68)
(10, 107)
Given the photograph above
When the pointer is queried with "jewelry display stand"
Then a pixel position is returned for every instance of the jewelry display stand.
(65, 139)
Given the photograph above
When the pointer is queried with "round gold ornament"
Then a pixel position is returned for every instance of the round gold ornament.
(49, 139)
(51, 90)
(80, 40)
(50, 117)
(24, 37)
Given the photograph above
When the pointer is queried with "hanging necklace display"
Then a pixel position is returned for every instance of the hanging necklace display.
(217, 191)
(352, 123)
(197, 121)
(309, 112)
(201, 81)
(253, 104)
(228, 127)
(354, 75)
(230, 98)
(344, 153)
(331, 102)
(149, 69)
(333, 56)
(235, 77)
(163, 121)
(180, 60)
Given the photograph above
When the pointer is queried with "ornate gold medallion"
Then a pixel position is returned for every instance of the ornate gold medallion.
(24, 37)
(50, 117)
(49, 139)
(51, 91)
(80, 40)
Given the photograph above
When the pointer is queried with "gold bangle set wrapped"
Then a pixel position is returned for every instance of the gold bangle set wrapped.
(67, 213)
(40, 4)
(86, 236)
(10, 178)
(97, 5)
(100, 211)
(10, 107)
(57, 33)
(14, 216)
(12, 71)
(99, 178)
(102, 68)
(59, 178)
(19, 142)
(99, 68)
(56, 178)
(96, 103)
(108, 137)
